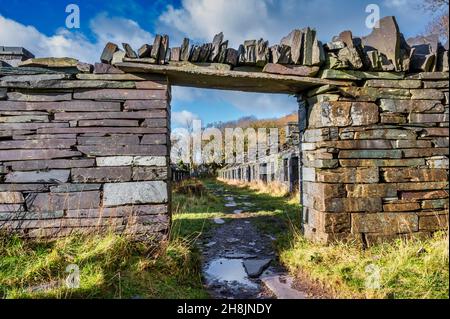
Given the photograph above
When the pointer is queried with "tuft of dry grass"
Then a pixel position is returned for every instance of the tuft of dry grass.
(275, 189)
(403, 269)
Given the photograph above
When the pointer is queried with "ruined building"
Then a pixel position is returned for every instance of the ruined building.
(85, 147)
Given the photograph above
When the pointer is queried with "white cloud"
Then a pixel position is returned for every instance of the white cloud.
(184, 118)
(261, 104)
(73, 44)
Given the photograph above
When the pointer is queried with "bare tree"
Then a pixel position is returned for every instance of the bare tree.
(440, 23)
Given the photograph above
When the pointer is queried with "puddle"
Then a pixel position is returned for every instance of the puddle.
(225, 271)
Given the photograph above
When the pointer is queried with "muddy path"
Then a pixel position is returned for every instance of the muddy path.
(239, 260)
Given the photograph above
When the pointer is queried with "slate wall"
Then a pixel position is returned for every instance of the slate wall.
(376, 159)
(84, 152)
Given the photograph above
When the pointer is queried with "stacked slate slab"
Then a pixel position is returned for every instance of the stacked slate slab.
(83, 152)
(385, 49)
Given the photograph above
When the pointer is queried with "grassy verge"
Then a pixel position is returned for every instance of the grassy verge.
(412, 269)
(406, 269)
(112, 266)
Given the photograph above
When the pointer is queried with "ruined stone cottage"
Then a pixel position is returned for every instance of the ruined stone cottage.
(86, 147)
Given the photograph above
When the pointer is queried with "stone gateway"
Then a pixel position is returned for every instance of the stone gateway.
(86, 147)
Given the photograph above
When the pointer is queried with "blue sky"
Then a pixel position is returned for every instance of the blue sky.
(40, 27)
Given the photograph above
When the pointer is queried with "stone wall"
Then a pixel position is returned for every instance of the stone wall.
(84, 152)
(376, 159)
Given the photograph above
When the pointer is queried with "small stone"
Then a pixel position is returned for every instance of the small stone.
(118, 57)
(175, 54)
(108, 52)
(335, 45)
(219, 221)
(255, 267)
(232, 57)
(185, 50)
(103, 68)
(295, 41)
(129, 52)
(386, 39)
(144, 51)
(85, 67)
(217, 41)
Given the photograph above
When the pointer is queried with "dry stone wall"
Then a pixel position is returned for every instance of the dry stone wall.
(85, 147)
(84, 153)
(376, 159)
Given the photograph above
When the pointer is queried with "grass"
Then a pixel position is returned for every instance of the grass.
(110, 266)
(415, 268)
(113, 266)
(406, 269)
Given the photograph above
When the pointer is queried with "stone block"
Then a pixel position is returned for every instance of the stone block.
(119, 194)
(434, 131)
(110, 140)
(149, 173)
(435, 85)
(109, 123)
(38, 144)
(341, 114)
(415, 162)
(395, 84)
(401, 206)
(101, 174)
(411, 144)
(111, 150)
(348, 175)
(438, 162)
(393, 118)
(427, 94)
(385, 223)
(49, 177)
(412, 106)
(39, 97)
(428, 118)
(132, 161)
(49, 164)
(368, 154)
(325, 191)
(136, 105)
(419, 195)
(435, 203)
(433, 222)
(50, 202)
(110, 115)
(386, 133)
(70, 106)
(121, 211)
(347, 205)
(11, 198)
(399, 175)
(120, 94)
(424, 152)
(371, 190)
(154, 139)
(318, 135)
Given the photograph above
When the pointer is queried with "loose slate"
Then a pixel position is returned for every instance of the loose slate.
(185, 50)
(217, 41)
(129, 52)
(108, 52)
(386, 39)
(144, 51)
(295, 41)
